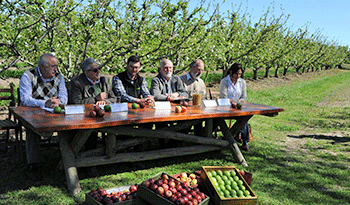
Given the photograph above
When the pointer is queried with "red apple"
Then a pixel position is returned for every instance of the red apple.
(172, 189)
(178, 187)
(151, 180)
(92, 114)
(189, 203)
(195, 202)
(165, 176)
(97, 108)
(177, 109)
(171, 184)
(185, 199)
(165, 181)
(142, 105)
(199, 198)
(202, 195)
(165, 187)
(185, 103)
(189, 196)
(180, 201)
(183, 109)
(183, 175)
(178, 194)
(153, 187)
(160, 191)
(159, 182)
(103, 193)
(183, 192)
(133, 188)
(101, 113)
(146, 183)
(168, 194)
(173, 198)
(193, 192)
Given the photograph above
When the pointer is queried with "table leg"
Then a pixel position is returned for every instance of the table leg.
(208, 129)
(68, 159)
(233, 144)
(111, 144)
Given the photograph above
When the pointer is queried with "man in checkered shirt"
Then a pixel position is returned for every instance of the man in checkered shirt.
(129, 86)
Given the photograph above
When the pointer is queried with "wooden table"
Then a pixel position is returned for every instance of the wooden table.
(123, 123)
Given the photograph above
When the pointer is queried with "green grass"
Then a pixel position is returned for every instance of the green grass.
(295, 157)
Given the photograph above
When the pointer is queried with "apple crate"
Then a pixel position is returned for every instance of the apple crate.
(91, 201)
(214, 195)
(153, 198)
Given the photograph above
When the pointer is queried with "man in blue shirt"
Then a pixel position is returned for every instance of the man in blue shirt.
(41, 86)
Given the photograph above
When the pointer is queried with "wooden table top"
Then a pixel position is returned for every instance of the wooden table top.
(41, 120)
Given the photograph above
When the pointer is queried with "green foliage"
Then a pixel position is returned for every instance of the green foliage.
(111, 31)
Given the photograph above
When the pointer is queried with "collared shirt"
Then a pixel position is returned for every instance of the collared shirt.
(235, 92)
(120, 91)
(26, 90)
(194, 85)
(168, 85)
(92, 82)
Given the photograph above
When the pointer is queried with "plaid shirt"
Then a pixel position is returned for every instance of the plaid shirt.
(120, 92)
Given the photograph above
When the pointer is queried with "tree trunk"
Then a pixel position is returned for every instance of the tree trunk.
(255, 74)
(285, 70)
(276, 72)
(267, 72)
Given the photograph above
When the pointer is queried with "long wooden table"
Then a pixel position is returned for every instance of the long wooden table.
(125, 123)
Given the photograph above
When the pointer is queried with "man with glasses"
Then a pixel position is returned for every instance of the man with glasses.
(91, 87)
(41, 86)
(129, 86)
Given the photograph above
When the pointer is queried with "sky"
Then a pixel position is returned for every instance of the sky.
(330, 17)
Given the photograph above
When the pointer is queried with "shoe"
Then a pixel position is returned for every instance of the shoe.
(238, 138)
(92, 172)
(34, 172)
(245, 147)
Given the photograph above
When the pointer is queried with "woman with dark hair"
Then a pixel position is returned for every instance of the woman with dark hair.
(234, 88)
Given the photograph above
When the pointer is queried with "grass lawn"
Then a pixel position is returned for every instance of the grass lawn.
(300, 156)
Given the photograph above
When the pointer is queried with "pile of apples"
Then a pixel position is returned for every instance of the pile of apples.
(97, 112)
(192, 179)
(175, 191)
(181, 108)
(103, 197)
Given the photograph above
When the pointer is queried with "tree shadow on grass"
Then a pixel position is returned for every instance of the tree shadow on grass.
(335, 139)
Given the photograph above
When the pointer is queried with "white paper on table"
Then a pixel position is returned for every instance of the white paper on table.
(224, 102)
(162, 105)
(119, 107)
(74, 109)
(210, 103)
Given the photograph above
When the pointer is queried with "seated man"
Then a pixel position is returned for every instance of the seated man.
(194, 84)
(129, 86)
(91, 88)
(41, 86)
(166, 86)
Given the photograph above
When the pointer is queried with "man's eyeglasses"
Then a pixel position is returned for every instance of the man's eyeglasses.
(95, 70)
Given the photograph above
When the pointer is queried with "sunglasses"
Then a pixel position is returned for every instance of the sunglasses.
(95, 70)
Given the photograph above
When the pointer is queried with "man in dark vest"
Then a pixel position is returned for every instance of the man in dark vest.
(41, 86)
(130, 86)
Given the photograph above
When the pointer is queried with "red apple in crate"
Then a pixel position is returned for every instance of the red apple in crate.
(173, 198)
(146, 183)
(171, 184)
(168, 194)
(151, 180)
(160, 191)
(159, 182)
(165, 187)
(180, 201)
(195, 202)
(153, 187)
(133, 188)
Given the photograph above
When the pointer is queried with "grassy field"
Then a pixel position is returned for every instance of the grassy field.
(300, 156)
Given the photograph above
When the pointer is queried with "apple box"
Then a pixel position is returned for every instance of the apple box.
(153, 196)
(217, 191)
(89, 198)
